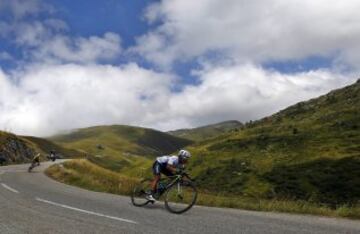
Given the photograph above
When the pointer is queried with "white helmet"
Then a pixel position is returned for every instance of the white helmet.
(184, 154)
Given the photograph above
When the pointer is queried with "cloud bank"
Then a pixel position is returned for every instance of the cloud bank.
(252, 30)
(48, 99)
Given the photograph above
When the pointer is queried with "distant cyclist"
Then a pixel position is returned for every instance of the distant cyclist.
(167, 165)
(36, 160)
(52, 155)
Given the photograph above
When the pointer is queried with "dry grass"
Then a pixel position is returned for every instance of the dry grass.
(300, 207)
(87, 175)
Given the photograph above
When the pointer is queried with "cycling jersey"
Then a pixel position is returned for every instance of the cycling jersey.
(168, 160)
(36, 158)
(160, 164)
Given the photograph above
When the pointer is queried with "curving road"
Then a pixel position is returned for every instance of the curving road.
(33, 203)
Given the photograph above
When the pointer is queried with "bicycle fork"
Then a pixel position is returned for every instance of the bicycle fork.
(179, 190)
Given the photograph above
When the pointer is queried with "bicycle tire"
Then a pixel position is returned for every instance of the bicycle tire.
(184, 185)
(138, 196)
(31, 167)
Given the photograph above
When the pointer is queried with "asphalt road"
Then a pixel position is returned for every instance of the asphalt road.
(34, 203)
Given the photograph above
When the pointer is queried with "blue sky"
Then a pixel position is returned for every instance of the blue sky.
(86, 18)
(91, 17)
(168, 64)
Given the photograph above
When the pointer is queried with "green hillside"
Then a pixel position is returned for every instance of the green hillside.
(118, 146)
(309, 151)
(208, 131)
(44, 146)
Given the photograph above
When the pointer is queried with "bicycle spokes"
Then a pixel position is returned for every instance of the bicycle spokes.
(140, 193)
(180, 197)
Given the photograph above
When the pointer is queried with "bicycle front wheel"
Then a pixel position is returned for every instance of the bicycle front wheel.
(180, 197)
(138, 197)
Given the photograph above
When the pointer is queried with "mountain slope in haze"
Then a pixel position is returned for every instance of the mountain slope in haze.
(309, 151)
(208, 131)
(117, 146)
(44, 146)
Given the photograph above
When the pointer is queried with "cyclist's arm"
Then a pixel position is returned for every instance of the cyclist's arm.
(171, 168)
(174, 166)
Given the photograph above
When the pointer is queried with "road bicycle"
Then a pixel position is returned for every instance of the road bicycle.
(32, 165)
(179, 192)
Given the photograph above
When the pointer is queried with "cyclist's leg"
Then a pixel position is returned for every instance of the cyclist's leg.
(157, 176)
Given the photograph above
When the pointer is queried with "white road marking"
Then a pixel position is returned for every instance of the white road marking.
(85, 211)
(9, 188)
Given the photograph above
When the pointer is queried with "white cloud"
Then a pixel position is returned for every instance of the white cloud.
(252, 30)
(247, 92)
(56, 24)
(82, 50)
(5, 56)
(28, 23)
(46, 99)
(22, 8)
(30, 34)
(44, 39)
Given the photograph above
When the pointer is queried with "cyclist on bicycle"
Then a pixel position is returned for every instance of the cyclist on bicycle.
(167, 165)
(52, 155)
(36, 160)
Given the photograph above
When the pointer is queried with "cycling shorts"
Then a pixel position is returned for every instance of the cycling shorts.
(159, 168)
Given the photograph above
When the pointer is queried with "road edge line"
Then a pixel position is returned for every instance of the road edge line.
(9, 188)
(85, 211)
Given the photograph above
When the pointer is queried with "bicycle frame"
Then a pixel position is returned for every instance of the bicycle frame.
(176, 179)
(168, 185)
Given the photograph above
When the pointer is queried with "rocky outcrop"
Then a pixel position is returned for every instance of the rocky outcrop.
(14, 149)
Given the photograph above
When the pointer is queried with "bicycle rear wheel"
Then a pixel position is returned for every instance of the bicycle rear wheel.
(138, 197)
(180, 197)
(31, 167)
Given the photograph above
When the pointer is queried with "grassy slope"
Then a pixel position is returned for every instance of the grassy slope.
(3, 137)
(121, 147)
(208, 131)
(309, 151)
(87, 175)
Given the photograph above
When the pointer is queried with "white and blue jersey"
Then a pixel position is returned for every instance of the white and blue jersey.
(161, 163)
(168, 160)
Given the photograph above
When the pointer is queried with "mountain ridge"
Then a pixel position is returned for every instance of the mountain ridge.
(207, 131)
(117, 146)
